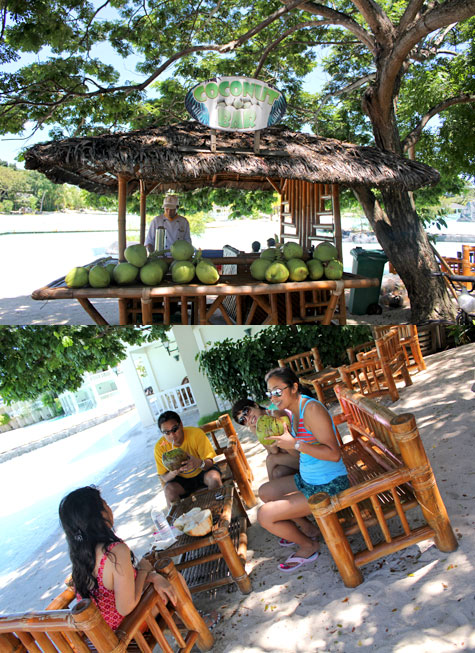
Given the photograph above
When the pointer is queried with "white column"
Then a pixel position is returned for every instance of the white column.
(188, 347)
(140, 400)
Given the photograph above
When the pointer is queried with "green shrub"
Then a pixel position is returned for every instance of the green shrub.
(237, 368)
(213, 417)
(4, 419)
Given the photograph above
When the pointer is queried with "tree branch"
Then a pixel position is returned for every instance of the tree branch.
(274, 44)
(412, 138)
(339, 18)
(378, 21)
(347, 89)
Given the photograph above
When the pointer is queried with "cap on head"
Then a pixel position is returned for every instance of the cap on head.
(170, 201)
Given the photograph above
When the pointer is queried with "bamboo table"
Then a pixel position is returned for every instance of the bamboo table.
(240, 299)
(216, 559)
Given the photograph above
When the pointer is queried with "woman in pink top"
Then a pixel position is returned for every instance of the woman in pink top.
(104, 568)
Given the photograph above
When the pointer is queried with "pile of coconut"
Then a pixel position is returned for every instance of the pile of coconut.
(196, 522)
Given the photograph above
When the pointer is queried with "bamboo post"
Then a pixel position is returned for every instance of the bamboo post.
(122, 216)
(337, 219)
(88, 619)
(92, 311)
(9, 643)
(335, 539)
(466, 265)
(122, 311)
(240, 475)
(185, 606)
(423, 480)
(223, 539)
(416, 348)
(143, 209)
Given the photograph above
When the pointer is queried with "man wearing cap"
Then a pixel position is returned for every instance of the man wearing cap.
(176, 226)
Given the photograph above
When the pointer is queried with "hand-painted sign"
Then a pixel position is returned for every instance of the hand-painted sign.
(235, 104)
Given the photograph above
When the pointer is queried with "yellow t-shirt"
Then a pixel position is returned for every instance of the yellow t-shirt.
(195, 443)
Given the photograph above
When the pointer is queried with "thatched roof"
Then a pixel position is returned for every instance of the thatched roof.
(180, 157)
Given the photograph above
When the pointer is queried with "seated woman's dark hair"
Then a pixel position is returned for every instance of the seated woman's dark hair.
(85, 524)
(287, 376)
(244, 403)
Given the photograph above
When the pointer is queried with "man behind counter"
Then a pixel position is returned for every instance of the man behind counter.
(176, 226)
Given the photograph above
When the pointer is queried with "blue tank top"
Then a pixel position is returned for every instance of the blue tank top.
(313, 470)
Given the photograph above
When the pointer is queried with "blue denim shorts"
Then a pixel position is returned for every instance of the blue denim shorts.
(333, 487)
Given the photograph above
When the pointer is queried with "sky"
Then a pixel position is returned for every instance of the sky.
(12, 144)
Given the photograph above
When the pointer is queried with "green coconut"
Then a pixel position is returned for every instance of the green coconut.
(174, 459)
(99, 277)
(269, 253)
(315, 269)
(77, 278)
(325, 252)
(151, 273)
(334, 270)
(110, 269)
(125, 273)
(268, 426)
(136, 255)
(298, 270)
(207, 272)
(277, 272)
(182, 250)
(292, 250)
(183, 271)
(258, 268)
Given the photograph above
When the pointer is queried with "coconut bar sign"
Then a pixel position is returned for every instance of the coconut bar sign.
(235, 104)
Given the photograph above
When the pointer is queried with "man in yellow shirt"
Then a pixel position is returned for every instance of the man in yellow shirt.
(198, 471)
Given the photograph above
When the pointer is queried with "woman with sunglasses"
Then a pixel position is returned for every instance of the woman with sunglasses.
(279, 463)
(321, 468)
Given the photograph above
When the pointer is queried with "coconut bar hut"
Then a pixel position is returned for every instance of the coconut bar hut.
(305, 170)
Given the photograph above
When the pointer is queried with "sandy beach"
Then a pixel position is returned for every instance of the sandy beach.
(416, 600)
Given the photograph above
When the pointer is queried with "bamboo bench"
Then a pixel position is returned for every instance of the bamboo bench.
(236, 466)
(389, 474)
(81, 628)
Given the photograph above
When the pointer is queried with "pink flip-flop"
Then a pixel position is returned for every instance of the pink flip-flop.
(283, 542)
(284, 566)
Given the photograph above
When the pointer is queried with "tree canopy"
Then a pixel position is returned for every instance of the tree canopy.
(38, 360)
(393, 65)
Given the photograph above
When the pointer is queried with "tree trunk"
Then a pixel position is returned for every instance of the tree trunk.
(401, 235)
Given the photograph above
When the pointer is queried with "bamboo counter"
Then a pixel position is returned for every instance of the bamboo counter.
(239, 298)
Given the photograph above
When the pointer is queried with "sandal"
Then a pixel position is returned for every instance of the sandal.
(284, 566)
(283, 542)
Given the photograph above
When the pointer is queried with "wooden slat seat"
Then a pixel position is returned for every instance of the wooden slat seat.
(389, 474)
(81, 628)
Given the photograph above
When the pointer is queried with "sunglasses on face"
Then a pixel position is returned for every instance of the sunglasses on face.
(243, 416)
(173, 429)
(277, 392)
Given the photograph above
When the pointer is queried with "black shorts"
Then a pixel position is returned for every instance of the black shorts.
(194, 483)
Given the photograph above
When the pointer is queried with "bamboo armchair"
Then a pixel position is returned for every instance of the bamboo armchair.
(238, 465)
(374, 371)
(409, 341)
(81, 628)
(309, 368)
(389, 474)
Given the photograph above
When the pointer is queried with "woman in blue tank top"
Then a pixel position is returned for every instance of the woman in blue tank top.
(321, 468)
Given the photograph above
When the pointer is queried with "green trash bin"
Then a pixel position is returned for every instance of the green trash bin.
(367, 263)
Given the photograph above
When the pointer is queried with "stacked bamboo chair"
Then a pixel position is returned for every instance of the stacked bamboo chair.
(81, 628)
(389, 474)
(309, 369)
(409, 341)
(375, 366)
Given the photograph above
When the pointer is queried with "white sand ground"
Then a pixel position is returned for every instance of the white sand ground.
(418, 600)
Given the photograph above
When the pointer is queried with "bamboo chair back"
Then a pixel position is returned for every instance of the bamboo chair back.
(234, 454)
(389, 474)
(304, 363)
(409, 341)
(81, 628)
(373, 373)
